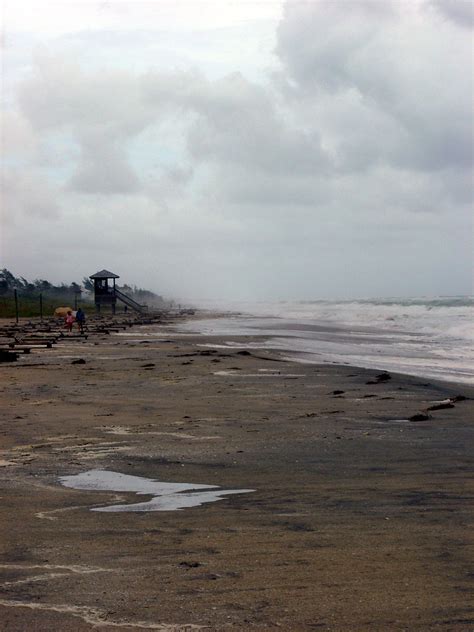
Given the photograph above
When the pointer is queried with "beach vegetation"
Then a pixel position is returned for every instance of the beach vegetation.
(42, 295)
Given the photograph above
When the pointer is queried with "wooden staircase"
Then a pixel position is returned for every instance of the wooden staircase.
(141, 309)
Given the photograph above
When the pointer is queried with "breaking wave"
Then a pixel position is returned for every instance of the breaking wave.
(430, 337)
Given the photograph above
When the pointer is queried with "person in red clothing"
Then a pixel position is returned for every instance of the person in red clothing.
(69, 321)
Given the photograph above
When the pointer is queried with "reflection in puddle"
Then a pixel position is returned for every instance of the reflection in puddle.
(166, 496)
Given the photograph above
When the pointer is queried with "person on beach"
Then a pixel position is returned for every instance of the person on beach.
(80, 320)
(69, 321)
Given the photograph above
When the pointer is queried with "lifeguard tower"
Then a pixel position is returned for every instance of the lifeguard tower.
(105, 292)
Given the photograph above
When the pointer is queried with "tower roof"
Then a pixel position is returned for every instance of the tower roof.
(104, 274)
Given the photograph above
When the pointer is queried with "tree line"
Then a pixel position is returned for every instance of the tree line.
(57, 295)
(9, 282)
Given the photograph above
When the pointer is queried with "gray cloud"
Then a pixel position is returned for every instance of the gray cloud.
(239, 124)
(27, 197)
(59, 93)
(461, 12)
(103, 168)
(100, 111)
(401, 72)
(338, 172)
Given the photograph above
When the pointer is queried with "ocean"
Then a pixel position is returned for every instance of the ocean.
(427, 337)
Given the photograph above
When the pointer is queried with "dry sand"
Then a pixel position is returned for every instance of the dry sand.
(359, 521)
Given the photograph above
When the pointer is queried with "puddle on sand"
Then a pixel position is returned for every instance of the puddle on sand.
(166, 496)
(266, 374)
(127, 430)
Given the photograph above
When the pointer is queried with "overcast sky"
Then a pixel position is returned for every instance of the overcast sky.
(240, 149)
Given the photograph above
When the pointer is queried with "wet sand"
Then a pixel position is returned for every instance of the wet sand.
(360, 519)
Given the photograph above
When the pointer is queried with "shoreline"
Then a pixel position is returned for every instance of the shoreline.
(297, 355)
(359, 518)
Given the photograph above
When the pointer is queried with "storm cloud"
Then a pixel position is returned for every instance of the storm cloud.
(335, 163)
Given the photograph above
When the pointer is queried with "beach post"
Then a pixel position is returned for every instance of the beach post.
(41, 306)
(77, 296)
(16, 303)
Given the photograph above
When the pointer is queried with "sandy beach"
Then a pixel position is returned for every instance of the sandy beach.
(359, 520)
